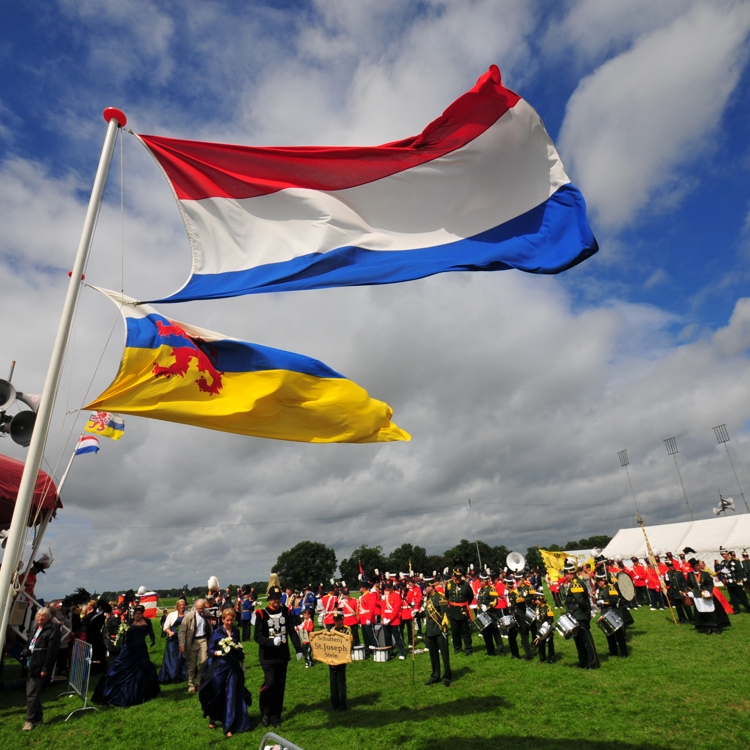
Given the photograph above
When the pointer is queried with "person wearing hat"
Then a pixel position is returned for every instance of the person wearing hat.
(637, 573)
(732, 575)
(367, 606)
(391, 613)
(273, 629)
(348, 606)
(709, 615)
(746, 568)
(459, 596)
(676, 591)
(578, 604)
(608, 597)
(337, 672)
(544, 613)
(519, 597)
(486, 601)
(436, 633)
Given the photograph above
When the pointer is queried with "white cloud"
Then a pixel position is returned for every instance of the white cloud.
(635, 126)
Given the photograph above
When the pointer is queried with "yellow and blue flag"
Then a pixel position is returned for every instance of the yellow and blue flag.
(179, 373)
(104, 424)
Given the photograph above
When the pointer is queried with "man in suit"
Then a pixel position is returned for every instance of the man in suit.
(193, 636)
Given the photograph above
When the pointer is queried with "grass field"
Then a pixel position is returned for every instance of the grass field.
(678, 689)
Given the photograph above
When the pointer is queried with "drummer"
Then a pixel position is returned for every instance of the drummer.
(486, 601)
(608, 599)
(544, 614)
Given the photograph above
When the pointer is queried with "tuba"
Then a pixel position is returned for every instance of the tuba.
(515, 561)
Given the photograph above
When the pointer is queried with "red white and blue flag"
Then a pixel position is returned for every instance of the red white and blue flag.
(87, 444)
(482, 188)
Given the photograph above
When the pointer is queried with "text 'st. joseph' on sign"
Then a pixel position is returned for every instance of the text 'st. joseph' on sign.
(331, 647)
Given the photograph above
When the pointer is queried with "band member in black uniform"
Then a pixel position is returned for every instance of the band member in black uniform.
(578, 604)
(273, 628)
(436, 634)
(732, 575)
(608, 597)
(677, 586)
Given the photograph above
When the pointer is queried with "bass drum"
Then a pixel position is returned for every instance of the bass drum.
(627, 589)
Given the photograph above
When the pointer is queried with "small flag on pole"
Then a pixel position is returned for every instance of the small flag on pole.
(105, 424)
(87, 444)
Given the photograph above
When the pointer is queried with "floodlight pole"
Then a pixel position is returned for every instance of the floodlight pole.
(476, 543)
(671, 445)
(625, 462)
(115, 120)
(722, 436)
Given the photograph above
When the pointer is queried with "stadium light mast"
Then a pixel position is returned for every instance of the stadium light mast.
(671, 444)
(625, 462)
(722, 437)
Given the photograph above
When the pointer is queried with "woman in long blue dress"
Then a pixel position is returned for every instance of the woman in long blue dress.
(174, 667)
(223, 695)
(132, 678)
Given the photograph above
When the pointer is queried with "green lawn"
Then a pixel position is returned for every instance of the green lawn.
(678, 689)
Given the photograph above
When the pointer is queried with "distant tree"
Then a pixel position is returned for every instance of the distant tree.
(435, 563)
(398, 561)
(466, 552)
(306, 562)
(601, 540)
(554, 548)
(534, 559)
(370, 557)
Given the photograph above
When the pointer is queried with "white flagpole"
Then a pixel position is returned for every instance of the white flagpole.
(115, 119)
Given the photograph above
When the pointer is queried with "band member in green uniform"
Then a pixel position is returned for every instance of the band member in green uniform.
(518, 598)
(578, 604)
(486, 601)
(436, 634)
(544, 613)
(459, 596)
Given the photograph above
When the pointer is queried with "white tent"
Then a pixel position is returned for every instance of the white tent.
(705, 537)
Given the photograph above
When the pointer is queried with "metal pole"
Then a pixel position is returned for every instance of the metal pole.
(476, 543)
(726, 447)
(115, 119)
(671, 445)
(625, 462)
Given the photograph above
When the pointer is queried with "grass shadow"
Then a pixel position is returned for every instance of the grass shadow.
(530, 743)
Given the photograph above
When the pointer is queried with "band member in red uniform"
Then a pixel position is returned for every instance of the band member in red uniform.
(638, 574)
(392, 619)
(351, 618)
(407, 623)
(330, 603)
(367, 605)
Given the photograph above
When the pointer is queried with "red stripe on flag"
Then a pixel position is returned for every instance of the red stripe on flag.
(214, 170)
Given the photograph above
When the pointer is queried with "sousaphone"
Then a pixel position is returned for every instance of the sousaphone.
(515, 561)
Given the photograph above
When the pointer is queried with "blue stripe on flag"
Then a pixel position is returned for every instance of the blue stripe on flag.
(549, 239)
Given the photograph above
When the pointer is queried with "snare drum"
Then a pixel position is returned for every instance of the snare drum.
(566, 626)
(358, 653)
(507, 622)
(545, 631)
(610, 622)
(529, 615)
(484, 620)
(381, 653)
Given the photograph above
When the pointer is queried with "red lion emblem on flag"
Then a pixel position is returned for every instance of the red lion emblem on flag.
(184, 355)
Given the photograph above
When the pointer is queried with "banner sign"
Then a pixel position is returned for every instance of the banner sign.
(331, 647)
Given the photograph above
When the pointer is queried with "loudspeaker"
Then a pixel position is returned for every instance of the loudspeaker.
(30, 399)
(21, 427)
(7, 394)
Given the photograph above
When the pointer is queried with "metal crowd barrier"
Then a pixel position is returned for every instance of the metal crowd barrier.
(80, 671)
(277, 741)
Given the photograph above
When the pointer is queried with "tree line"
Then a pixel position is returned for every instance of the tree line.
(315, 563)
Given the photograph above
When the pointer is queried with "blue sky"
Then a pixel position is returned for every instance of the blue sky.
(519, 390)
